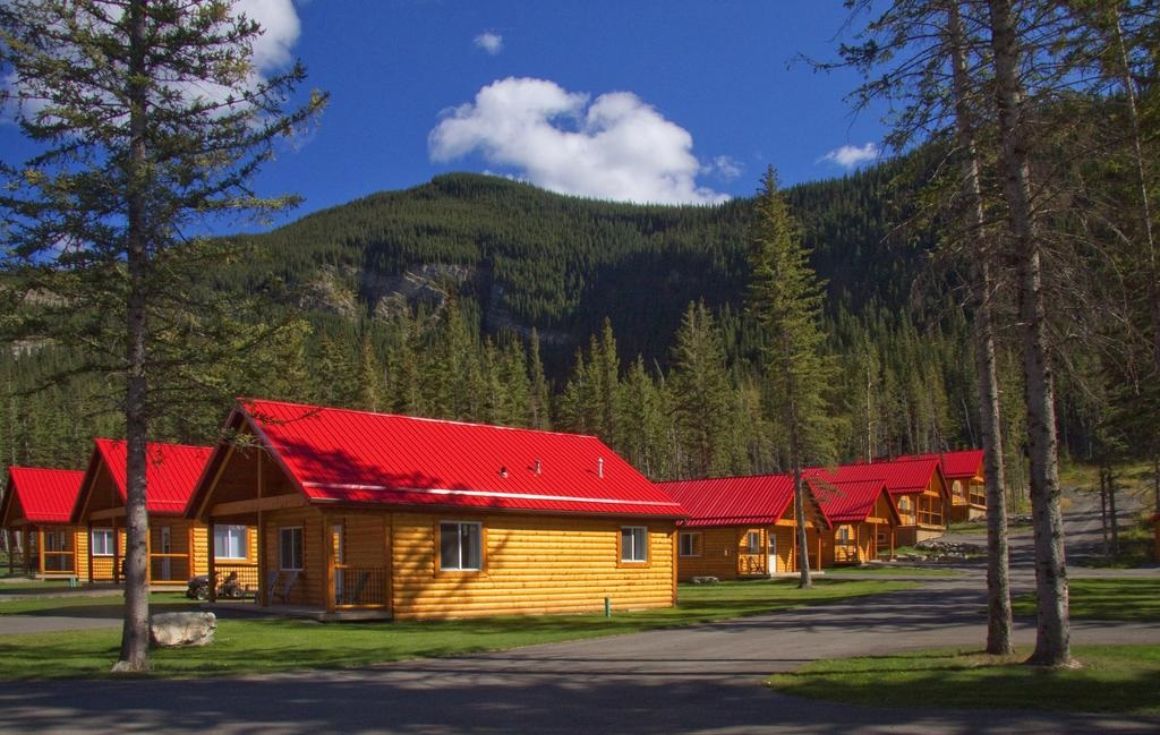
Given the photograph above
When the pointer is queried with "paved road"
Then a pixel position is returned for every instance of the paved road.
(705, 679)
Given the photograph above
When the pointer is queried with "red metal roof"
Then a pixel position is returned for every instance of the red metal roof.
(902, 476)
(45, 496)
(756, 500)
(350, 456)
(848, 502)
(960, 465)
(171, 472)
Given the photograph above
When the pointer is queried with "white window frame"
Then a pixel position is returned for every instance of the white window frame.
(634, 550)
(694, 543)
(108, 543)
(463, 552)
(240, 552)
(299, 547)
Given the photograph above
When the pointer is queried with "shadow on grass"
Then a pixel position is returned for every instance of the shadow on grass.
(1134, 600)
(1120, 679)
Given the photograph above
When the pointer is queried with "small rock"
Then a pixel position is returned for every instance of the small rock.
(172, 630)
(705, 580)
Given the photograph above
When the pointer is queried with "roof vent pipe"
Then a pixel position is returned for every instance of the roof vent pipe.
(539, 466)
(600, 467)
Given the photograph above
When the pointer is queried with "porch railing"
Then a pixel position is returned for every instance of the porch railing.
(169, 568)
(846, 553)
(752, 564)
(235, 580)
(360, 586)
(59, 562)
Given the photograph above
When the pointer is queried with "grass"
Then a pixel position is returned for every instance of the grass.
(1118, 679)
(264, 645)
(1136, 600)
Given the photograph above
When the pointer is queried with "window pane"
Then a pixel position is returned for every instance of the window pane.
(290, 549)
(102, 542)
(449, 546)
(470, 539)
(229, 542)
(633, 544)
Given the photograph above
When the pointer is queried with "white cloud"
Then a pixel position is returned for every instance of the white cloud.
(852, 156)
(490, 42)
(726, 168)
(280, 26)
(614, 147)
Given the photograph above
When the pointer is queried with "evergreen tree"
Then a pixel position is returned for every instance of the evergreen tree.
(702, 395)
(127, 157)
(786, 298)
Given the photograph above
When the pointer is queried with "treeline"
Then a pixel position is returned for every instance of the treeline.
(701, 413)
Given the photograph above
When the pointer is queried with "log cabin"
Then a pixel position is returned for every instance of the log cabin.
(364, 514)
(963, 472)
(178, 547)
(741, 527)
(862, 519)
(36, 514)
(917, 486)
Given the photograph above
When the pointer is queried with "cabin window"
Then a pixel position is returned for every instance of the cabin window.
(102, 542)
(461, 546)
(633, 544)
(229, 542)
(290, 549)
(753, 542)
(56, 541)
(904, 505)
(690, 544)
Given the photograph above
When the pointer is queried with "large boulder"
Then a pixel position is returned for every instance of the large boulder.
(171, 630)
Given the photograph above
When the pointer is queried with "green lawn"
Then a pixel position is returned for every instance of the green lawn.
(1112, 679)
(1106, 599)
(257, 645)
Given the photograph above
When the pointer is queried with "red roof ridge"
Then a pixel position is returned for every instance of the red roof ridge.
(457, 422)
(150, 443)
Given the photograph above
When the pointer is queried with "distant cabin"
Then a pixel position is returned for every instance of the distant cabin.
(366, 514)
(862, 519)
(968, 490)
(36, 515)
(916, 485)
(178, 548)
(742, 527)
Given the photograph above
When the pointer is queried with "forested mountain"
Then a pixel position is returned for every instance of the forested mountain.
(530, 258)
(481, 298)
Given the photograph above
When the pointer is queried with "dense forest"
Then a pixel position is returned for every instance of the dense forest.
(479, 298)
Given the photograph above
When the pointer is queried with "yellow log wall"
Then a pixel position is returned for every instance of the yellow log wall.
(532, 565)
(718, 556)
(310, 589)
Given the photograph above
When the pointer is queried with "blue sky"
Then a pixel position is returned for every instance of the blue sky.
(640, 100)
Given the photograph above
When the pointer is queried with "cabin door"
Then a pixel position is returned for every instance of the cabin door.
(772, 562)
(338, 538)
(166, 549)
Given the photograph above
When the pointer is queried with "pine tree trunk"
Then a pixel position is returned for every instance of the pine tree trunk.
(999, 615)
(1104, 510)
(1114, 520)
(1052, 645)
(135, 633)
(804, 580)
